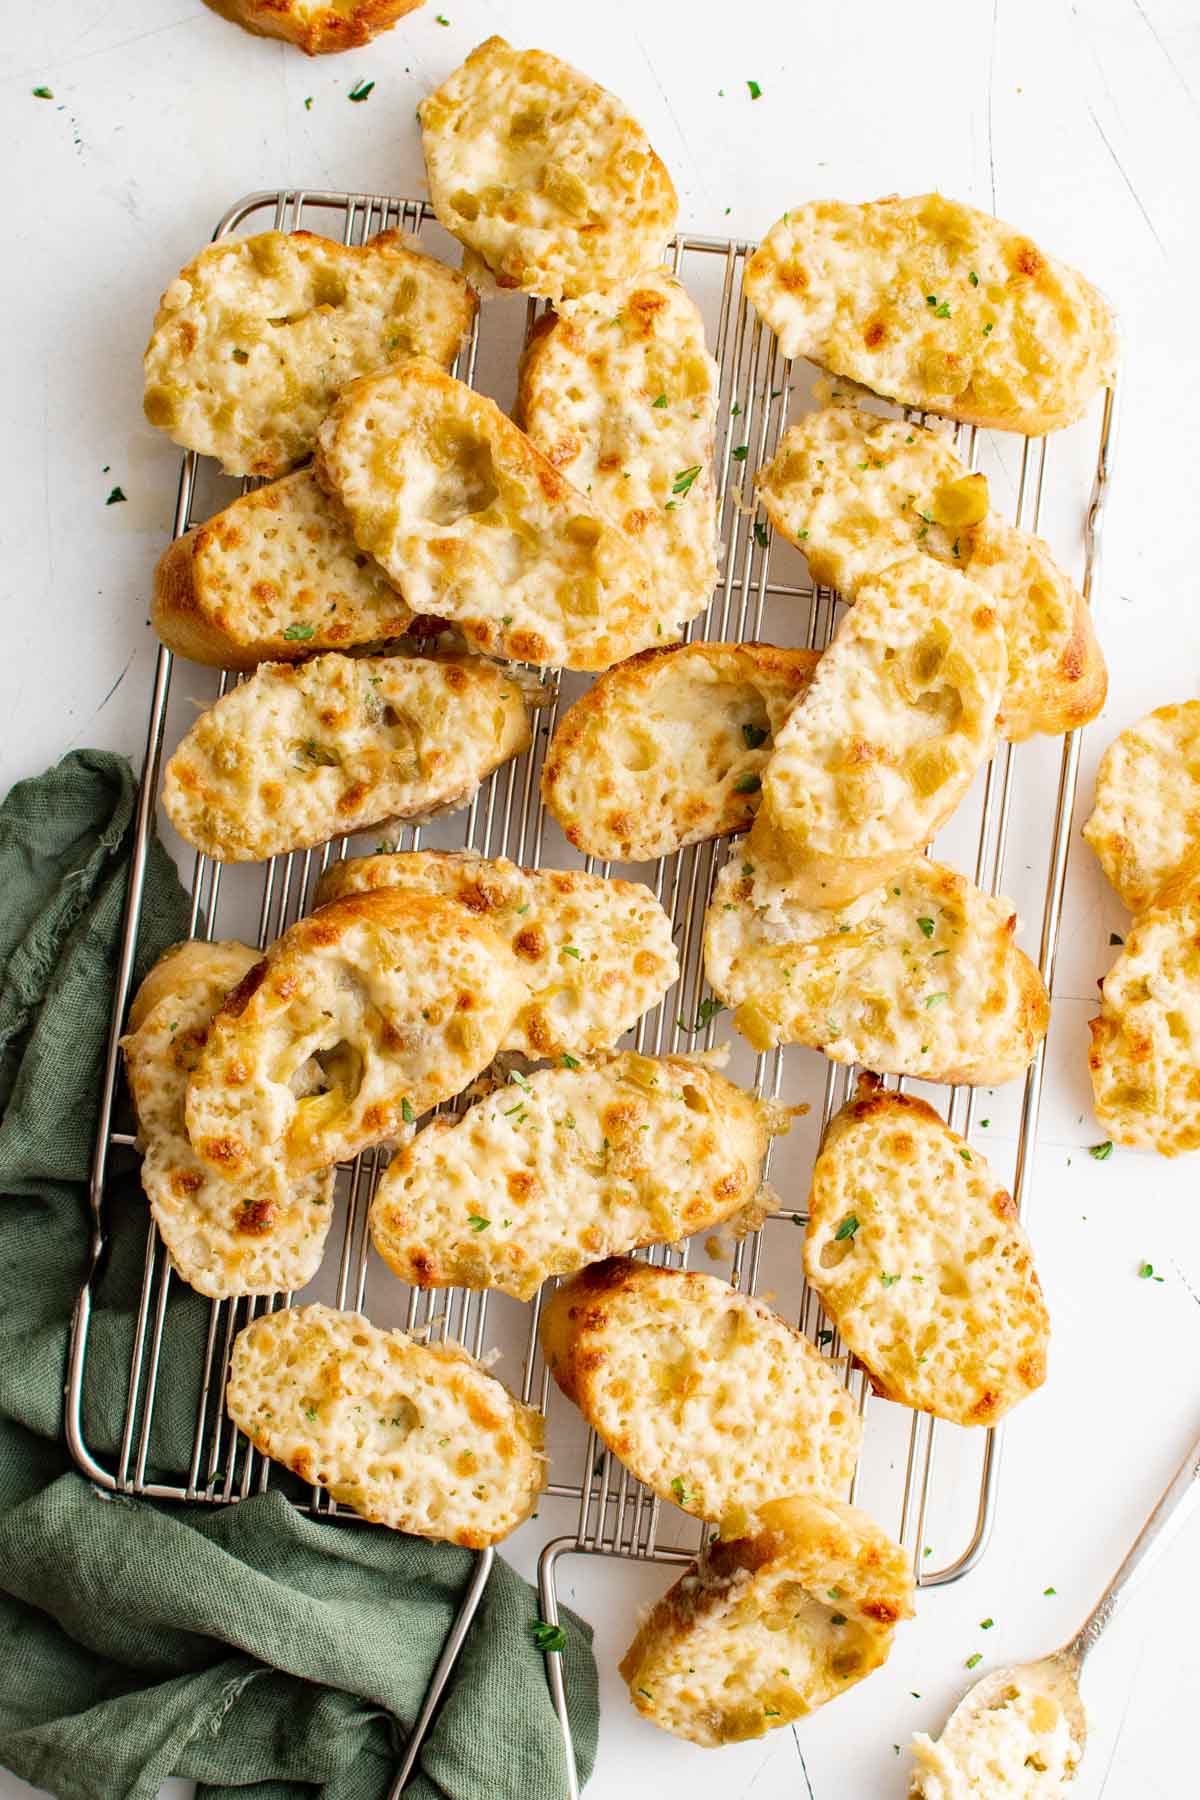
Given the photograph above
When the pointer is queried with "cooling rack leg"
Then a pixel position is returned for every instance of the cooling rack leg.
(441, 1674)
(548, 1598)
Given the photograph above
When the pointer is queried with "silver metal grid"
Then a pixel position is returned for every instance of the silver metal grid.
(924, 1478)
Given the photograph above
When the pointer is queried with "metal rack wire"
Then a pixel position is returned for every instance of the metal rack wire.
(763, 591)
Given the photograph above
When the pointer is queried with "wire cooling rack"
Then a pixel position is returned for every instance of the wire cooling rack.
(934, 1485)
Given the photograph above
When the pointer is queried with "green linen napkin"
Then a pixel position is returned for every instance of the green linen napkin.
(255, 1650)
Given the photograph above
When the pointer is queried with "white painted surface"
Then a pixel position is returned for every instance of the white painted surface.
(1081, 122)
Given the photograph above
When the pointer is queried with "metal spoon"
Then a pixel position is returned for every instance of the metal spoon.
(1058, 1675)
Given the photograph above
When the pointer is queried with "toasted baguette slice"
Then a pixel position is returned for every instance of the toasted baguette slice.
(620, 393)
(1145, 1051)
(595, 954)
(318, 27)
(877, 754)
(920, 977)
(255, 339)
(415, 1436)
(359, 1018)
(1145, 823)
(856, 492)
(568, 1166)
(543, 174)
(668, 748)
(299, 754)
(660, 1363)
(469, 518)
(273, 578)
(937, 305)
(919, 1259)
(763, 1629)
(261, 1235)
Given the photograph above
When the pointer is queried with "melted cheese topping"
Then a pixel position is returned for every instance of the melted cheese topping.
(931, 1283)
(620, 393)
(254, 340)
(1145, 824)
(566, 1166)
(595, 954)
(258, 1235)
(856, 492)
(543, 174)
(1145, 1052)
(920, 977)
(359, 1018)
(1019, 1749)
(473, 523)
(900, 714)
(660, 1363)
(766, 1628)
(668, 748)
(937, 305)
(300, 754)
(414, 1436)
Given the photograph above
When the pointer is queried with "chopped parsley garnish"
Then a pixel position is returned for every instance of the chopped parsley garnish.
(941, 309)
(755, 90)
(835, 1593)
(926, 927)
(771, 1712)
(988, 328)
(935, 999)
(973, 279)
(406, 1111)
(308, 103)
(548, 1637)
(569, 1062)
(297, 634)
(521, 1081)
(1147, 1272)
(115, 498)
(683, 1495)
(965, 1154)
(440, 19)
(43, 93)
(318, 754)
(837, 1618)
(741, 452)
(889, 1280)
(747, 784)
(760, 534)
(1049, 1590)
(684, 479)
(310, 1412)
(1115, 938)
(753, 736)
(847, 1228)
(1100, 1152)
(661, 401)
(823, 1337)
(986, 1624)
(571, 950)
(361, 90)
(974, 1661)
(478, 1223)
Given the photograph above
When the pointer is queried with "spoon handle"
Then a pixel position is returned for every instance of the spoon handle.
(1184, 1482)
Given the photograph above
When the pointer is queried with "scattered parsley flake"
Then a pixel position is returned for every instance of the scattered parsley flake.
(1100, 1152)
(478, 1223)
(521, 1081)
(1049, 1590)
(965, 1154)
(571, 950)
(741, 452)
(847, 1228)
(661, 401)
(760, 534)
(310, 1412)
(43, 93)
(753, 736)
(298, 634)
(985, 1121)
(1147, 1272)
(823, 1337)
(547, 1637)
(926, 927)
(973, 1662)
(837, 1618)
(440, 19)
(115, 498)
(569, 1062)
(735, 409)
(755, 90)
(973, 279)
(682, 1494)
(1115, 938)
(361, 90)
(747, 784)
(889, 1280)
(986, 1624)
(987, 330)
(684, 479)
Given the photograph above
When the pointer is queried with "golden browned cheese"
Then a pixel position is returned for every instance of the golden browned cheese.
(661, 1363)
(543, 174)
(620, 393)
(668, 748)
(596, 954)
(920, 977)
(256, 337)
(856, 492)
(919, 1259)
(765, 1628)
(568, 1165)
(900, 714)
(305, 752)
(938, 306)
(415, 1436)
(1145, 1051)
(474, 524)
(260, 1234)
(275, 577)
(1145, 823)
(318, 27)
(361, 1017)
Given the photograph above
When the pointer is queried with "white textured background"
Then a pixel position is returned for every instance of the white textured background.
(1080, 122)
